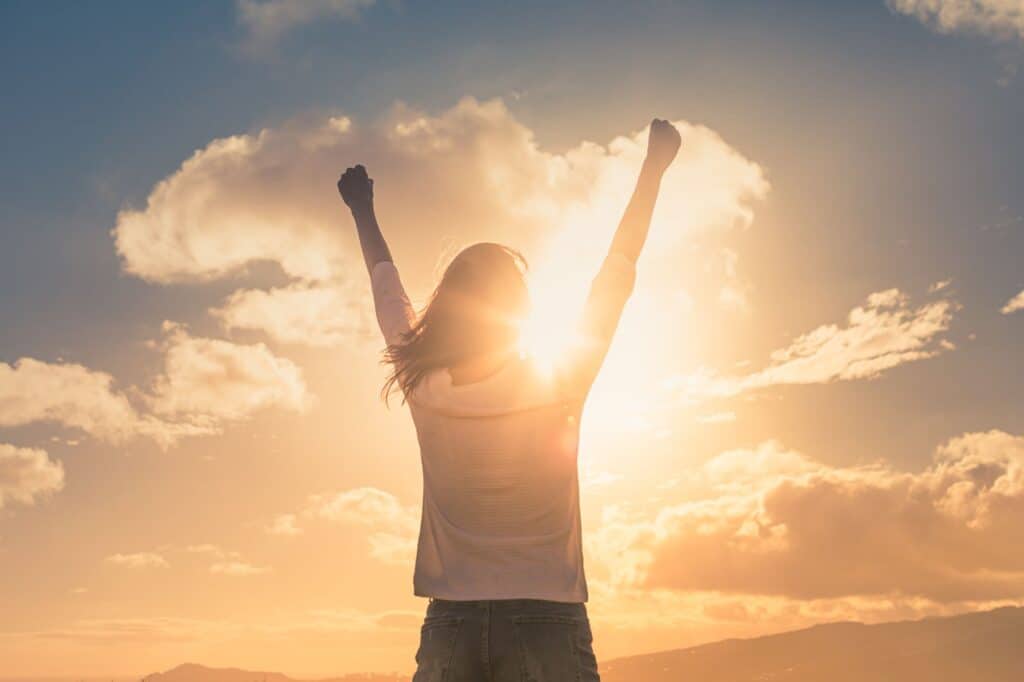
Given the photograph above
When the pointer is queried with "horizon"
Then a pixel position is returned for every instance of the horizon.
(629, 658)
(809, 413)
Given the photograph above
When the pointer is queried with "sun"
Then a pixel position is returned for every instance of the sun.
(551, 330)
(542, 339)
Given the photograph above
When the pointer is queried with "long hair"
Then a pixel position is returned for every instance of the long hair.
(475, 309)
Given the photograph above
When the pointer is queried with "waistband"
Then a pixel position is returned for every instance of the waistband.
(437, 607)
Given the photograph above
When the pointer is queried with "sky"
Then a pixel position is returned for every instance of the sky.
(813, 410)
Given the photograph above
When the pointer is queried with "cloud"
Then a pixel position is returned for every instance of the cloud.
(203, 384)
(393, 526)
(370, 506)
(139, 560)
(998, 19)
(71, 395)
(398, 549)
(237, 569)
(122, 631)
(208, 381)
(780, 524)
(212, 550)
(267, 20)
(284, 524)
(226, 562)
(27, 474)
(1014, 304)
(298, 314)
(882, 333)
(155, 630)
(716, 417)
(470, 173)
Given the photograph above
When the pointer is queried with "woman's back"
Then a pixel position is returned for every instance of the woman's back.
(499, 456)
(501, 515)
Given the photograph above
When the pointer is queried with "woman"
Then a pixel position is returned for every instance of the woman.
(500, 552)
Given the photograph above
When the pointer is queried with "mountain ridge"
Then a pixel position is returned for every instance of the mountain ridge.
(986, 646)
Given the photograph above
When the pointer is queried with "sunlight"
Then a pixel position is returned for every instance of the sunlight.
(549, 332)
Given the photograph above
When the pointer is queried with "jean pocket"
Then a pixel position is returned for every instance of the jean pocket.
(437, 646)
(555, 648)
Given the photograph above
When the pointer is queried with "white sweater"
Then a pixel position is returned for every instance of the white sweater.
(501, 515)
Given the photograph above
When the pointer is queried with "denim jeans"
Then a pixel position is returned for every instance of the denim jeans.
(508, 640)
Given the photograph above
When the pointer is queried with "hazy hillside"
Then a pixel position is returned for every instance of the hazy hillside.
(191, 672)
(976, 647)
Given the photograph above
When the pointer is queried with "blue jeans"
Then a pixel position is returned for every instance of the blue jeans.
(508, 640)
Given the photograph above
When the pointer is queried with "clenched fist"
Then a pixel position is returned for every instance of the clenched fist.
(356, 188)
(662, 144)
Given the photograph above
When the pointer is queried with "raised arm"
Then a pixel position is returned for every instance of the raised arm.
(394, 313)
(614, 283)
(356, 188)
(662, 145)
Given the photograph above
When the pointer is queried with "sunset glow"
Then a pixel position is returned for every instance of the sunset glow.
(812, 410)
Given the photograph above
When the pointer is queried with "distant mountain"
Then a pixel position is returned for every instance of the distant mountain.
(191, 672)
(976, 647)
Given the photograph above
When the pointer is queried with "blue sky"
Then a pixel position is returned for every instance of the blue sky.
(857, 148)
(100, 102)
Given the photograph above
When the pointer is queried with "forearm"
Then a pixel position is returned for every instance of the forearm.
(636, 221)
(371, 241)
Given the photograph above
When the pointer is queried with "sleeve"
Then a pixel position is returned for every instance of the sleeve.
(394, 312)
(608, 295)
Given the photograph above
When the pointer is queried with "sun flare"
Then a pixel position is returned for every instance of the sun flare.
(549, 332)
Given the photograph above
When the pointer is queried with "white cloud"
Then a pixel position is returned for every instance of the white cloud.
(597, 479)
(226, 561)
(369, 506)
(393, 526)
(139, 560)
(884, 332)
(999, 19)
(237, 569)
(284, 524)
(778, 523)
(267, 20)
(212, 550)
(298, 314)
(70, 395)
(469, 173)
(717, 417)
(393, 548)
(27, 474)
(227, 207)
(204, 383)
(207, 381)
(1014, 304)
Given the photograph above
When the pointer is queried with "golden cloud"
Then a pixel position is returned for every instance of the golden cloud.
(470, 173)
(27, 474)
(203, 384)
(999, 19)
(207, 381)
(1014, 304)
(883, 332)
(781, 524)
(139, 560)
